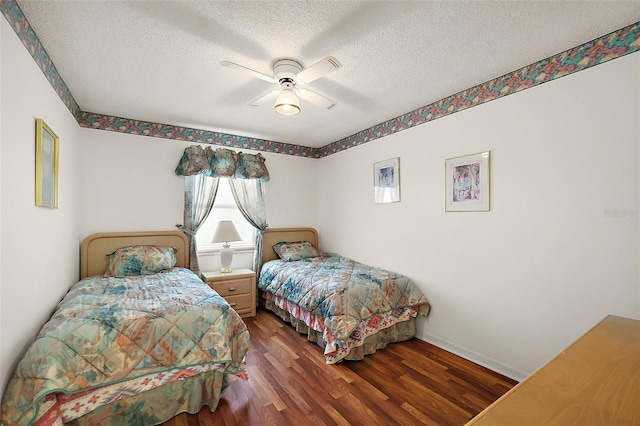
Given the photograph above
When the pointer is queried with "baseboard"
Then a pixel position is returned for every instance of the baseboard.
(472, 356)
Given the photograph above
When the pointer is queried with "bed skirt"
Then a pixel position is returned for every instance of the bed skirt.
(162, 403)
(398, 332)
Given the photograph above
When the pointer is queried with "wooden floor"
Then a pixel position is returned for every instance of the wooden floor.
(409, 383)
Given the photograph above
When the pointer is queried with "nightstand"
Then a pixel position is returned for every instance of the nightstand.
(237, 287)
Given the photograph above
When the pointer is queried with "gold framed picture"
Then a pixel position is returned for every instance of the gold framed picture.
(46, 166)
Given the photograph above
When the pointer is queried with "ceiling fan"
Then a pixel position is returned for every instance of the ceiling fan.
(289, 74)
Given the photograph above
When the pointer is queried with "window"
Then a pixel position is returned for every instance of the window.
(225, 208)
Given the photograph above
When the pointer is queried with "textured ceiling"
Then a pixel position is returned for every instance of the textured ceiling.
(159, 61)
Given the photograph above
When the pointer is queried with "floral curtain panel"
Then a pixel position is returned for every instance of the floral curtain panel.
(199, 194)
(221, 162)
(249, 197)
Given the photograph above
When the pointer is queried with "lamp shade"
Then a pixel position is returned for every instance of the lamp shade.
(287, 103)
(225, 232)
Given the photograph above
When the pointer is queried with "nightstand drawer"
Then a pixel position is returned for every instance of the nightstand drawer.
(241, 303)
(233, 287)
(237, 287)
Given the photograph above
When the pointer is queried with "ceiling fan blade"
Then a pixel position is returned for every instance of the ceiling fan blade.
(319, 69)
(315, 98)
(254, 73)
(270, 96)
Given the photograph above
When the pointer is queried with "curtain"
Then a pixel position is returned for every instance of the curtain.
(221, 162)
(202, 168)
(249, 197)
(199, 194)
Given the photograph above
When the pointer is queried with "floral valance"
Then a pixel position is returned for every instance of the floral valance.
(221, 162)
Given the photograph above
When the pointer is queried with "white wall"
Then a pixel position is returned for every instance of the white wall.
(40, 246)
(558, 251)
(129, 184)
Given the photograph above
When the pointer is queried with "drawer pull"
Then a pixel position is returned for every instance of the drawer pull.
(232, 289)
(233, 304)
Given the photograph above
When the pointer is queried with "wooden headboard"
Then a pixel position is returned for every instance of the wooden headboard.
(275, 235)
(94, 248)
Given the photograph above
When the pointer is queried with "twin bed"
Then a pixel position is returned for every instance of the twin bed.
(151, 339)
(347, 308)
(139, 347)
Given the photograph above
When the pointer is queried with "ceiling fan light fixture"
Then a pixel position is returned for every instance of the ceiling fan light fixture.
(287, 73)
(287, 103)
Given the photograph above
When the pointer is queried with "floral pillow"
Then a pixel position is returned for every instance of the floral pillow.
(298, 250)
(140, 260)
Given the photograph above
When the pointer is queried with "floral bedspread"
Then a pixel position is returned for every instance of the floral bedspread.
(339, 294)
(115, 330)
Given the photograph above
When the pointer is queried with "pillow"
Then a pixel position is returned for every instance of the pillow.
(140, 260)
(295, 251)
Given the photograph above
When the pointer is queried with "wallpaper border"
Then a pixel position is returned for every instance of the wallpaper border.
(159, 130)
(611, 46)
(22, 28)
(608, 47)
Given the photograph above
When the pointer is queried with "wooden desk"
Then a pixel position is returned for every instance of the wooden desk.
(595, 381)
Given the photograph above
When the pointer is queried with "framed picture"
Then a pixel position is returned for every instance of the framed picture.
(386, 181)
(467, 183)
(46, 166)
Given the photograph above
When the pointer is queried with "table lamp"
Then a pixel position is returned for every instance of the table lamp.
(225, 232)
